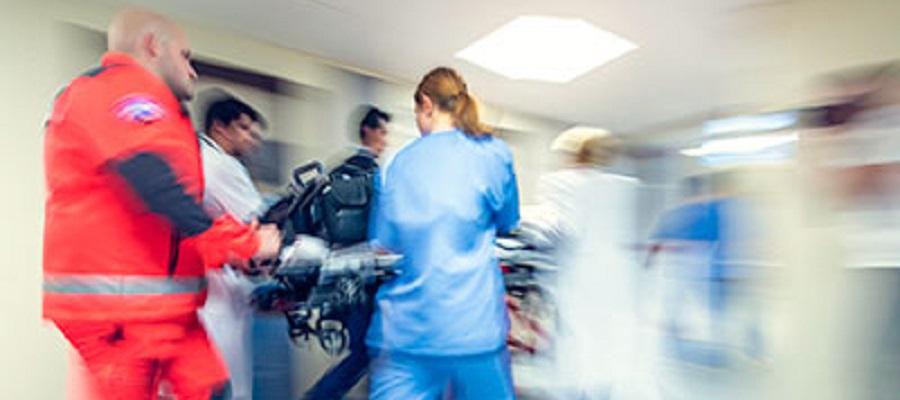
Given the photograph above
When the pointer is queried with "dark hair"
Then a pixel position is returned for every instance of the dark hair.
(372, 120)
(449, 93)
(872, 78)
(227, 110)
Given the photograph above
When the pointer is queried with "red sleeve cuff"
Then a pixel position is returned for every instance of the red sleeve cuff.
(226, 240)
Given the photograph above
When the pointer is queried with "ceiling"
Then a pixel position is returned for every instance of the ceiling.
(696, 58)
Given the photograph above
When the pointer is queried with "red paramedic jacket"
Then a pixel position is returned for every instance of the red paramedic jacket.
(125, 237)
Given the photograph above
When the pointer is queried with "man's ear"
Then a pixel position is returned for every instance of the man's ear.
(217, 127)
(151, 44)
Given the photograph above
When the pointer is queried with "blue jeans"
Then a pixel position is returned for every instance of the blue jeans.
(273, 368)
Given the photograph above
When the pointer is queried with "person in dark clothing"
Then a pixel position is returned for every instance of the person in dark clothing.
(340, 379)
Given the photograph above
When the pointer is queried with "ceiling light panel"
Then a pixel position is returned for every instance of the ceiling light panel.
(545, 49)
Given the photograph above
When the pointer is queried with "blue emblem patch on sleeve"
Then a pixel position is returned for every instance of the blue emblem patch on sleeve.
(138, 108)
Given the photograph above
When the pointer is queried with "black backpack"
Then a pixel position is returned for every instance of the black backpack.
(345, 203)
(296, 211)
(334, 207)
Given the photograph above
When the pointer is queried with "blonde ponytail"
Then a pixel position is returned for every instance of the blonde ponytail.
(449, 93)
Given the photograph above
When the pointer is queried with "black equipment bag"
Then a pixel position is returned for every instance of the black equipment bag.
(345, 204)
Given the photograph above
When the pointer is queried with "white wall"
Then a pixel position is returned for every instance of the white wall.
(32, 355)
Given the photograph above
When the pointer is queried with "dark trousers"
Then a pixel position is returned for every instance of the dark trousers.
(338, 380)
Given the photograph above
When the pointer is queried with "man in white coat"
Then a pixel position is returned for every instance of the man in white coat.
(232, 130)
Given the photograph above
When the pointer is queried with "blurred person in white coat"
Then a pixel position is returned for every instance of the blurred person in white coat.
(596, 292)
(844, 232)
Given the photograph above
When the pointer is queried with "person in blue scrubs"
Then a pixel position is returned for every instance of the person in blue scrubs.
(441, 324)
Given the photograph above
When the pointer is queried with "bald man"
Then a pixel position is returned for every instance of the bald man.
(127, 242)
(158, 45)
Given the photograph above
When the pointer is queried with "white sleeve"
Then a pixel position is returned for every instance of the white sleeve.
(228, 188)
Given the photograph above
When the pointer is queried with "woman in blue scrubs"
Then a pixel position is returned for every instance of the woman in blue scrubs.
(441, 325)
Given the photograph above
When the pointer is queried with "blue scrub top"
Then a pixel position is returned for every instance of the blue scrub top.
(441, 204)
(714, 221)
(698, 221)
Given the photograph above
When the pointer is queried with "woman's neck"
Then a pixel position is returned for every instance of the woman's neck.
(442, 123)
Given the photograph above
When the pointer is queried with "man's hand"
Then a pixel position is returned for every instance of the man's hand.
(269, 241)
(269, 246)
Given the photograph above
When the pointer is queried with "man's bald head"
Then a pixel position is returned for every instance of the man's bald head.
(158, 44)
(132, 26)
